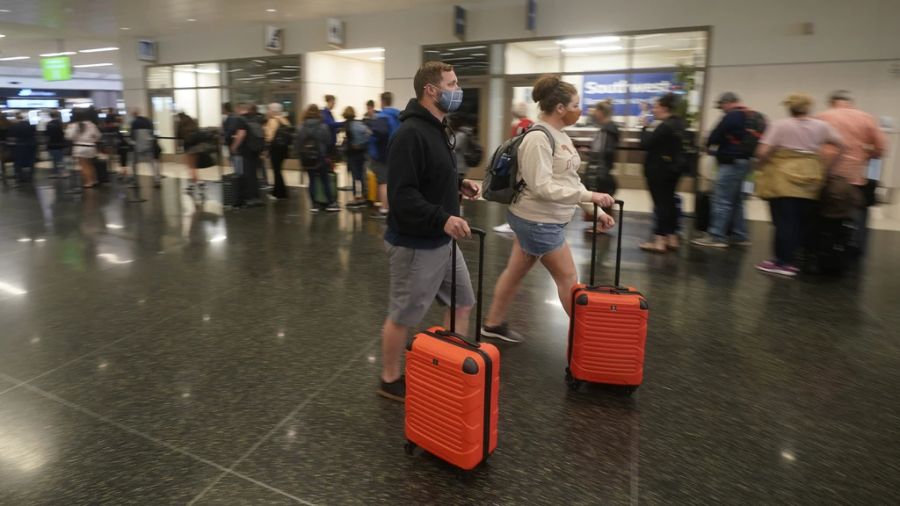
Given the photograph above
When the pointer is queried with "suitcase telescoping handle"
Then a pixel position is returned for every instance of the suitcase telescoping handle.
(478, 295)
(621, 205)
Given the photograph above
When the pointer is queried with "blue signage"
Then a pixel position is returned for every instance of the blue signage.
(626, 91)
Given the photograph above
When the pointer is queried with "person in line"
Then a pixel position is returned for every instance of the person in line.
(520, 124)
(663, 167)
(111, 137)
(462, 132)
(255, 123)
(863, 141)
(552, 193)
(23, 137)
(383, 128)
(6, 148)
(424, 193)
(278, 138)
(241, 147)
(792, 175)
(726, 142)
(357, 144)
(56, 143)
(84, 135)
(145, 144)
(333, 125)
(315, 136)
(597, 176)
(371, 112)
(186, 133)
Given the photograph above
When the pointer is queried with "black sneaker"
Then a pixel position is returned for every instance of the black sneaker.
(333, 208)
(395, 390)
(502, 332)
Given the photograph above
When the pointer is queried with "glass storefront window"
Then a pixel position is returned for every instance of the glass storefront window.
(159, 77)
(208, 75)
(594, 54)
(280, 71)
(209, 101)
(657, 50)
(533, 57)
(199, 89)
(184, 76)
(467, 59)
(186, 100)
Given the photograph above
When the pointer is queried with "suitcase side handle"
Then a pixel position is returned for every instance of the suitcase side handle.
(621, 205)
(478, 294)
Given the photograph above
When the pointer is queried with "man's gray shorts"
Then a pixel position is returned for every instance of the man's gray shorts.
(381, 172)
(418, 276)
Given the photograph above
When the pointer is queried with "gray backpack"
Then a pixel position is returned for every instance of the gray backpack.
(501, 182)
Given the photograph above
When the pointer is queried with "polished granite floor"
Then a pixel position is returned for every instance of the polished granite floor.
(166, 353)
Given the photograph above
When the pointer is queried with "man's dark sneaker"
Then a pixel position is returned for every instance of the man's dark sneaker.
(502, 332)
(395, 390)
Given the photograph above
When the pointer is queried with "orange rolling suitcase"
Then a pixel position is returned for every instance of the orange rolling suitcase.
(608, 329)
(452, 386)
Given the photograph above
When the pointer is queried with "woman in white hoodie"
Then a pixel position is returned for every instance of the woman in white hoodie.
(550, 197)
(84, 136)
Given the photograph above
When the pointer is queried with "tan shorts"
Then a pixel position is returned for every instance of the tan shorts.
(419, 276)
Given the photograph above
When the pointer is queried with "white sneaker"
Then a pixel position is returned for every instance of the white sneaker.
(503, 229)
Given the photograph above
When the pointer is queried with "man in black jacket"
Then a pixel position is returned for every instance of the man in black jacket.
(56, 142)
(23, 137)
(423, 193)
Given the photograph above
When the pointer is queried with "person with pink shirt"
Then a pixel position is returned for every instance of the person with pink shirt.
(863, 141)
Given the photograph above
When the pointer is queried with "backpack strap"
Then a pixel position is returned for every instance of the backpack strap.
(544, 129)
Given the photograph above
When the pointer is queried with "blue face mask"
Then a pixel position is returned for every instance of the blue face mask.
(450, 100)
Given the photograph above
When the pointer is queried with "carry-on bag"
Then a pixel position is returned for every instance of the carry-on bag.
(452, 386)
(608, 328)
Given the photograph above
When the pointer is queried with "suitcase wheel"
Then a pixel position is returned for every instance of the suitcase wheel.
(627, 391)
(409, 448)
(571, 382)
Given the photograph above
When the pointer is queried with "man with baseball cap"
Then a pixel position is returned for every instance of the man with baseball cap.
(863, 141)
(733, 143)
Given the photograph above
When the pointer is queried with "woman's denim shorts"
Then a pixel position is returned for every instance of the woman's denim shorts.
(537, 239)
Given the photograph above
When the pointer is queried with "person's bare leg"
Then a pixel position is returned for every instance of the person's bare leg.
(562, 267)
(508, 284)
(87, 172)
(393, 339)
(462, 320)
(383, 197)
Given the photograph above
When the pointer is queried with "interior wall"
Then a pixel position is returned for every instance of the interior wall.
(352, 81)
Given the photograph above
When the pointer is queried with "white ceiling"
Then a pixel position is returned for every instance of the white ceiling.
(33, 27)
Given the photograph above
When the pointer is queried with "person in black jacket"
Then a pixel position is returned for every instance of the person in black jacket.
(423, 195)
(598, 176)
(23, 137)
(312, 146)
(663, 167)
(56, 142)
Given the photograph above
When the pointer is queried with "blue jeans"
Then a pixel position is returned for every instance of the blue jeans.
(356, 162)
(791, 217)
(728, 202)
(57, 155)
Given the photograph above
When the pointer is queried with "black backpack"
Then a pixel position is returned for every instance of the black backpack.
(310, 152)
(255, 141)
(284, 136)
(754, 126)
(381, 131)
(474, 152)
(501, 182)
